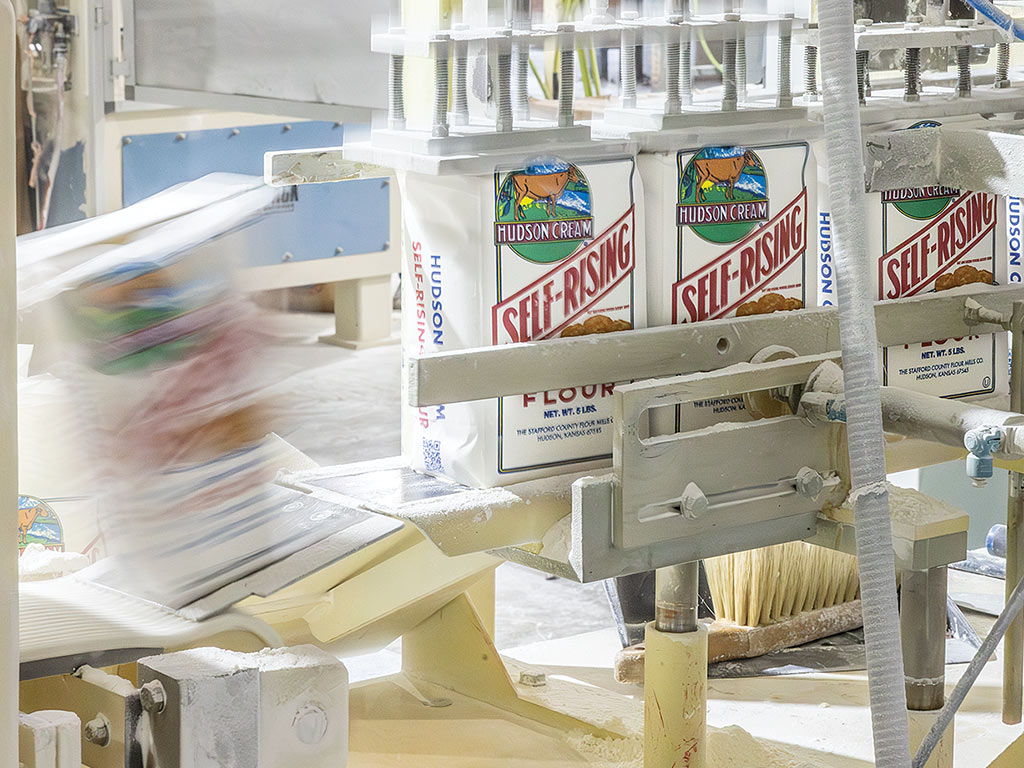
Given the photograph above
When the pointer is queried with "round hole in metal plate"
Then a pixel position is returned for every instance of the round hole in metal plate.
(723, 345)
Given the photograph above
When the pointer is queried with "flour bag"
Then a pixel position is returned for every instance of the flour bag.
(544, 250)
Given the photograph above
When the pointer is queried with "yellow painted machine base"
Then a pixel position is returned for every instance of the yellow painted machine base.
(675, 698)
(920, 724)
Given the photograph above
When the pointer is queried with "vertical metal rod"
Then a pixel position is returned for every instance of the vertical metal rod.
(396, 91)
(460, 85)
(862, 68)
(1013, 643)
(912, 74)
(729, 68)
(811, 73)
(675, 602)
(521, 21)
(566, 75)
(439, 50)
(503, 91)
(685, 63)
(785, 98)
(741, 62)
(672, 101)
(1002, 79)
(963, 67)
(522, 72)
(923, 636)
(627, 66)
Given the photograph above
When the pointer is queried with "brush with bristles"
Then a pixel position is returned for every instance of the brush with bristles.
(767, 585)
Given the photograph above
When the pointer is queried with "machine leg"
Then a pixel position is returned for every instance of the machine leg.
(1013, 642)
(923, 632)
(676, 674)
(362, 313)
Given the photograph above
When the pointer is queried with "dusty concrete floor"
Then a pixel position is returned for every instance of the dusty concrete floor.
(340, 406)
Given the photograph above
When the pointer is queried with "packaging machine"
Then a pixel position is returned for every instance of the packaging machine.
(410, 552)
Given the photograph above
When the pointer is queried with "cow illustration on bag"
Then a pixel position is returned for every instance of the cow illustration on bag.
(543, 211)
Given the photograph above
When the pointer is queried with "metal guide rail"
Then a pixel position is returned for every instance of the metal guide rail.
(687, 495)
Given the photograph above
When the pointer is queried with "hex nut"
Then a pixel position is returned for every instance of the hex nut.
(97, 731)
(809, 483)
(153, 697)
(533, 679)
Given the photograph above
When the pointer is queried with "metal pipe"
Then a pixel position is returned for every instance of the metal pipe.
(970, 675)
(9, 400)
(923, 636)
(1013, 646)
(676, 597)
(921, 416)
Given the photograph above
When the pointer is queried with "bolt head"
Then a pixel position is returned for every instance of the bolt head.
(566, 27)
(809, 483)
(310, 724)
(693, 503)
(97, 731)
(864, 22)
(153, 697)
(731, 16)
(1002, 84)
(915, 19)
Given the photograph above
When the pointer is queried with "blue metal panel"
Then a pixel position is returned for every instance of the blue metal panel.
(352, 216)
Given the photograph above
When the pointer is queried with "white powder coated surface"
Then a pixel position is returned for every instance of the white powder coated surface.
(914, 515)
(729, 747)
(106, 681)
(38, 563)
(301, 695)
(558, 540)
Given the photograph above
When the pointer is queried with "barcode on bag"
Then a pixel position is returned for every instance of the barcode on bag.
(432, 455)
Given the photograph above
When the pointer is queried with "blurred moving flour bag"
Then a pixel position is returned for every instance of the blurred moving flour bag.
(727, 232)
(546, 250)
(168, 360)
(927, 240)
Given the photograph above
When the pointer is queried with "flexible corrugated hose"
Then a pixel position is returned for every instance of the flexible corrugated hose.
(859, 343)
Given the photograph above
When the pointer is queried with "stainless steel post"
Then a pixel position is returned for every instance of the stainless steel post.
(1013, 643)
(923, 636)
(675, 602)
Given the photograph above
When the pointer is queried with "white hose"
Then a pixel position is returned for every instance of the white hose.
(869, 496)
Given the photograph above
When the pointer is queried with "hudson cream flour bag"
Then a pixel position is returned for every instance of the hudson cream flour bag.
(544, 250)
(727, 230)
(926, 240)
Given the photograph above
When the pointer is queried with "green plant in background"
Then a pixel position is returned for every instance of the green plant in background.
(586, 56)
